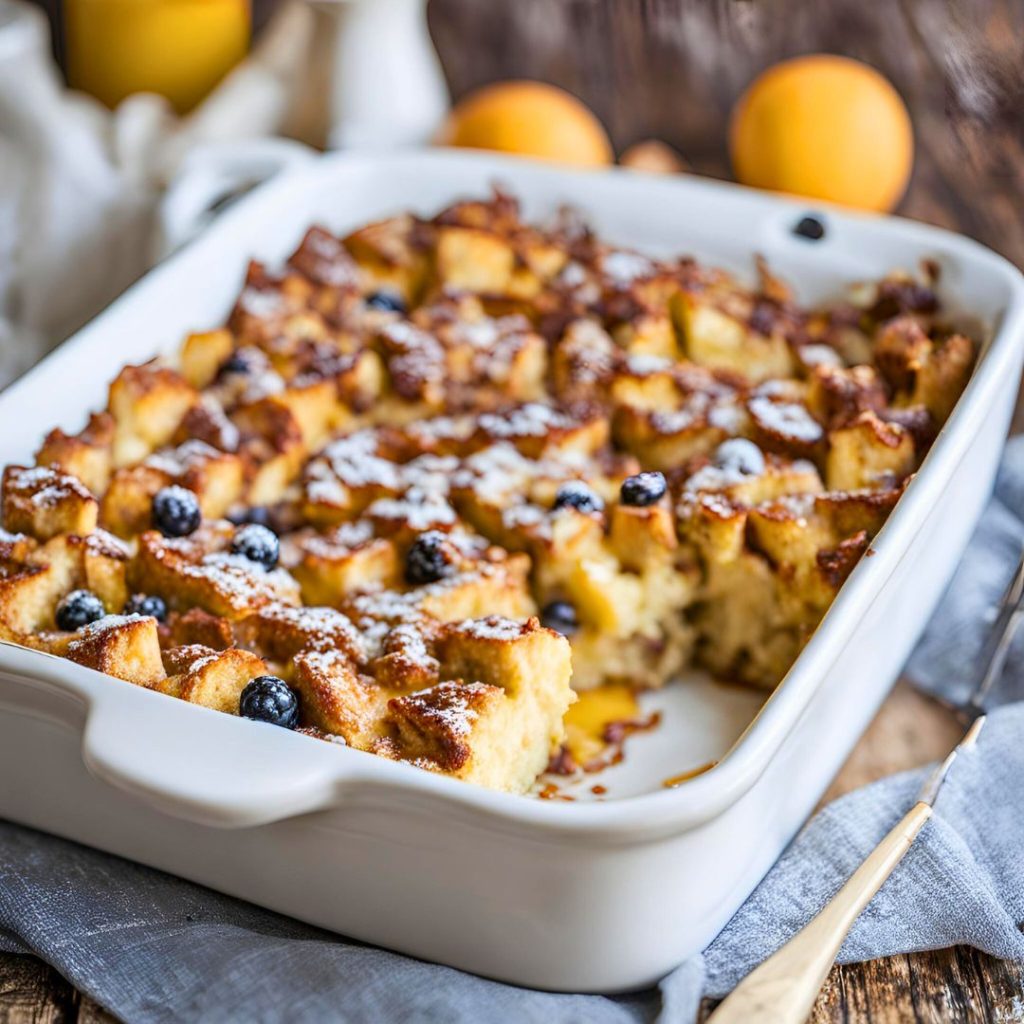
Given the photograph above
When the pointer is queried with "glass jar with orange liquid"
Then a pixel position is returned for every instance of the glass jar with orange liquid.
(178, 48)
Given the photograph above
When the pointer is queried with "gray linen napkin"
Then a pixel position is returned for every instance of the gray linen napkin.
(152, 948)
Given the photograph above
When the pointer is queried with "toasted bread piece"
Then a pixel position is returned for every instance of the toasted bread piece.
(337, 699)
(212, 678)
(472, 260)
(868, 453)
(124, 646)
(203, 354)
(499, 727)
(87, 455)
(43, 502)
(343, 560)
(280, 631)
(147, 403)
(97, 562)
(215, 477)
(721, 341)
(218, 582)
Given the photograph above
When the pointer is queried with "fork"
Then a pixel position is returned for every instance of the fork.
(783, 989)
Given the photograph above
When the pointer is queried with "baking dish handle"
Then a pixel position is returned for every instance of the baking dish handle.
(212, 177)
(229, 773)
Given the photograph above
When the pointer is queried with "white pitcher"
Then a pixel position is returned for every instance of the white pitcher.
(375, 65)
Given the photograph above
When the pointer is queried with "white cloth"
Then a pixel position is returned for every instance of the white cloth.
(79, 185)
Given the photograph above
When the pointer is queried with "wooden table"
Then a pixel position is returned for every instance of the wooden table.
(671, 69)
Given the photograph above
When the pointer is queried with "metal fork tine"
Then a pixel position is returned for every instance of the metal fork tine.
(997, 646)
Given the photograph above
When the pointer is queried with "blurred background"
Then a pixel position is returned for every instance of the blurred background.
(915, 106)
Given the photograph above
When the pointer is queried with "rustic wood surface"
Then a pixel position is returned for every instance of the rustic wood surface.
(671, 69)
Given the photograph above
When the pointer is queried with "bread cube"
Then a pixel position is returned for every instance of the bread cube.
(44, 502)
(28, 596)
(789, 532)
(124, 646)
(280, 631)
(714, 525)
(407, 660)
(343, 560)
(719, 341)
(639, 537)
(944, 375)
(209, 677)
(836, 395)
(850, 512)
(272, 448)
(198, 628)
(203, 354)
(97, 562)
(497, 734)
(215, 477)
(648, 334)
(470, 260)
(446, 724)
(346, 477)
(337, 699)
(583, 362)
(323, 259)
(388, 258)
(207, 421)
(868, 453)
(498, 587)
(147, 403)
(667, 439)
(783, 425)
(218, 582)
(502, 652)
(87, 455)
(360, 382)
(315, 407)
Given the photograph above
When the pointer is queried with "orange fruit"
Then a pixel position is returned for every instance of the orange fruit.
(529, 118)
(654, 157)
(827, 127)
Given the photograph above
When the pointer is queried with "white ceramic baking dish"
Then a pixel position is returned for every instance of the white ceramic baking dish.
(600, 895)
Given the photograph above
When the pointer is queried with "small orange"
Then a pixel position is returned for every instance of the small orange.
(654, 157)
(529, 118)
(827, 127)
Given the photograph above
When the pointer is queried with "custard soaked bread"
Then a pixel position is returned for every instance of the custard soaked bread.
(432, 476)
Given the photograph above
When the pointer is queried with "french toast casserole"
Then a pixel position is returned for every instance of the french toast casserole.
(433, 477)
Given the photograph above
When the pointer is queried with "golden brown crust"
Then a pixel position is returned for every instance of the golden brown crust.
(437, 417)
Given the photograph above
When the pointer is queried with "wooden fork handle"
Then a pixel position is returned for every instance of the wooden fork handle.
(783, 989)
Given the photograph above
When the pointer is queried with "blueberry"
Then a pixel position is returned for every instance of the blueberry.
(643, 489)
(387, 302)
(269, 699)
(259, 514)
(811, 228)
(576, 494)
(176, 512)
(738, 455)
(147, 604)
(427, 560)
(257, 543)
(78, 609)
(237, 362)
(561, 617)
